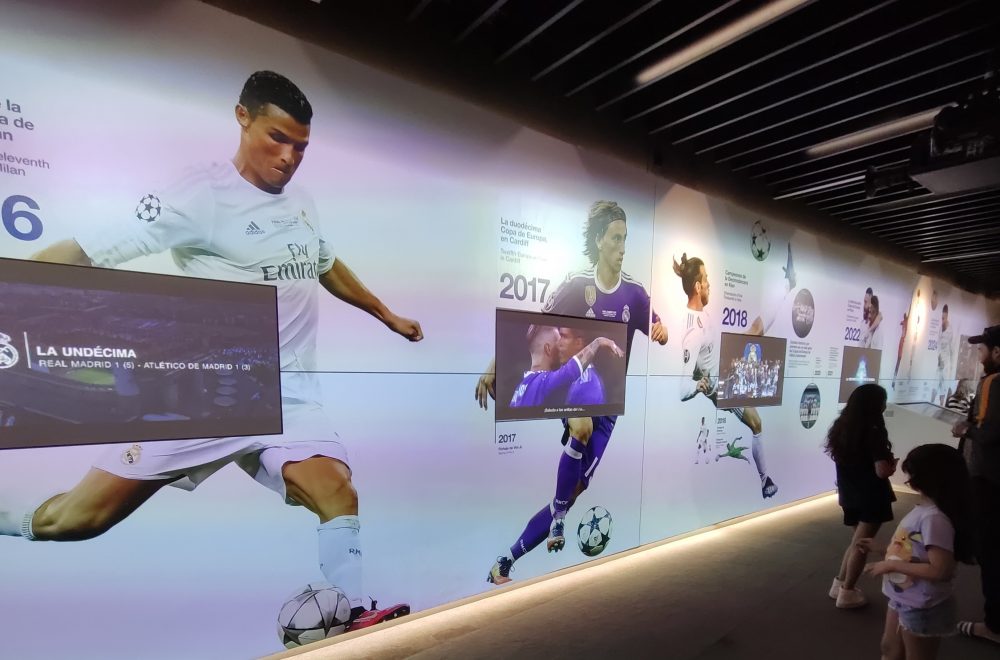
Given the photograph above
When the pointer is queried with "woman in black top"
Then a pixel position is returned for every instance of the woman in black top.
(859, 444)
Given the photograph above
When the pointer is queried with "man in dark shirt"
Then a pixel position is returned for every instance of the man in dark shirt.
(980, 445)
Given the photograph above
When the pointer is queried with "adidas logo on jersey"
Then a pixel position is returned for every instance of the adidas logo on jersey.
(253, 229)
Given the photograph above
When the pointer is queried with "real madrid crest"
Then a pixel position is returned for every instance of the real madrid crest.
(590, 294)
(626, 315)
(8, 354)
(687, 356)
(132, 455)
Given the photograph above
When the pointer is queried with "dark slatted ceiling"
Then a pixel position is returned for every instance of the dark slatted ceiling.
(757, 105)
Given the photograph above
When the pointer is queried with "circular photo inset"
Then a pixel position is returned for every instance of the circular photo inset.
(803, 313)
(809, 406)
(760, 244)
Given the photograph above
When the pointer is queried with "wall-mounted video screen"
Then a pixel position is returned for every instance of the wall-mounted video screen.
(551, 366)
(751, 371)
(859, 366)
(90, 355)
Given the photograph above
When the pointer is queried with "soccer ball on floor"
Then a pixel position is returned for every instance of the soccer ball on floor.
(594, 531)
(315, 612)
(760, 244)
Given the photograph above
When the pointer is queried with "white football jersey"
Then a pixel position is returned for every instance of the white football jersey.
(218, 225)
(700, 359)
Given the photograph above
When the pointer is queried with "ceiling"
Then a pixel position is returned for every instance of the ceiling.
(752, 112)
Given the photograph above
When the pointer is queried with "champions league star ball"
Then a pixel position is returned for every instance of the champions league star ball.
(594, 532)
(760, 244)
(148, 208)
(315, 612)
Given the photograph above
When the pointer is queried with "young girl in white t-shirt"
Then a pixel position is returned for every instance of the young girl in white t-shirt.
(919, 565)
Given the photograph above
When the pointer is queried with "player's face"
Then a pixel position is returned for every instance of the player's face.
(944, 321)
(611, 246)
(703, 284)
(570, 344)
(868, 301)
(272, 145)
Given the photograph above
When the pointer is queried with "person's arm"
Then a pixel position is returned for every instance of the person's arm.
(940, 566)
(64, 252)
(987, 431)
(690, 386)
(346, 286)
(658, 331)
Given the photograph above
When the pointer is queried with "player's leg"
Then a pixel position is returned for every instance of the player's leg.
(751, 418)
(96, 504)
(568, 473)
(323, 485)
(775, 300)
(599, 430)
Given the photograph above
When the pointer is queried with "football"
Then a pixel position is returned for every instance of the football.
(760, 244)
(148, 208)
(315, 612)
(594, 531)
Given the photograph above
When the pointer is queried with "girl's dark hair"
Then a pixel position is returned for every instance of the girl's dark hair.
(939, 472)
(846, 441)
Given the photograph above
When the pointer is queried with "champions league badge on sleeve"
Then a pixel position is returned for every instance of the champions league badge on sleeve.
(148, 208)
(8, 354)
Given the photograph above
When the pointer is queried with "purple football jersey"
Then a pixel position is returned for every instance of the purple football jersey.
(581, 295)
(546, 388)
(587, 390)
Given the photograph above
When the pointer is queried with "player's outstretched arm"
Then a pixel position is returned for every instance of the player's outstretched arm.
(486, 386)
(344, 284)
(64, 252)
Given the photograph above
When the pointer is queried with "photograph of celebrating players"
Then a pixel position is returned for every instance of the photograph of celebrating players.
(701, 362)
(242, 220)
(601, 291)
(556, 366)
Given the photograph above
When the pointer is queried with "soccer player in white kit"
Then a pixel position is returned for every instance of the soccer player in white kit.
(700, 359)
(238, 220)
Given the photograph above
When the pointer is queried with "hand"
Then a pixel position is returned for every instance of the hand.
(486, 385)
(960, 429)
(658, 333)
(611, 346)
(878, 568)
(405, 327)
(703, 385)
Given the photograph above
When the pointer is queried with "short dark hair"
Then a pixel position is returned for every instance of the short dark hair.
(263, 87)
(602, 213)
(689, 270)
(869, 291)
(944, 310)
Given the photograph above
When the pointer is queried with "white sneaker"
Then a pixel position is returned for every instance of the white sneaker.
(835, 588)
(849, 599)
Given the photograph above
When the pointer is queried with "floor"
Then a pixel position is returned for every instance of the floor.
(756, 589)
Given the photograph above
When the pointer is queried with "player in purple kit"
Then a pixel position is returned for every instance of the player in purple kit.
(602, 292)
(548, 383)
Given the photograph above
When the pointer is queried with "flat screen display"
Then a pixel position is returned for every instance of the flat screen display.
(751, 371)
(90, 355)
(551, 366)
(860, 366)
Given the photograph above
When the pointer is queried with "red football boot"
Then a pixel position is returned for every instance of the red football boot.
(369, 618)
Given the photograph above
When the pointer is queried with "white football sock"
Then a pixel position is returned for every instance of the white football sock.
(16, 521)
(340, 555)
(757, 449)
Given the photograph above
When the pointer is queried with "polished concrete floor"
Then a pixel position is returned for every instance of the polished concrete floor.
(752, 590)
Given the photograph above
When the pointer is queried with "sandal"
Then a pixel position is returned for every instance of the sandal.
(968, 629)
